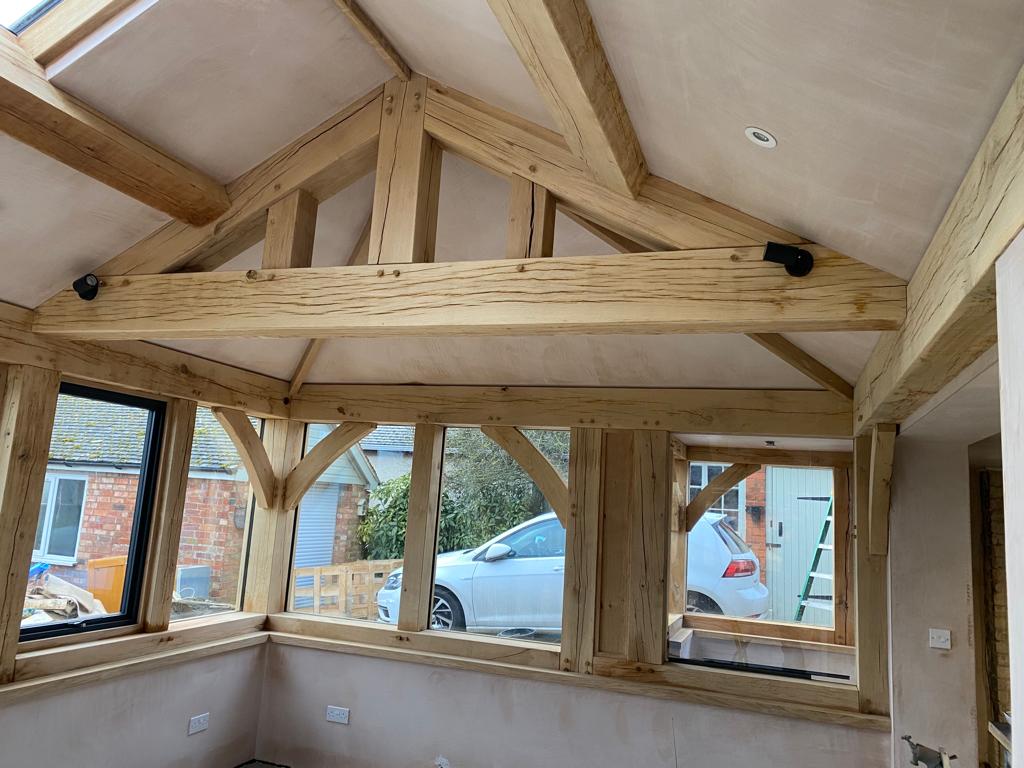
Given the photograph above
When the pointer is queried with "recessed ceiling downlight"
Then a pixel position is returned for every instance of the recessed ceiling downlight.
(761, 137)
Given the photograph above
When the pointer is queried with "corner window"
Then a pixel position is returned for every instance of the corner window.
(94, 514)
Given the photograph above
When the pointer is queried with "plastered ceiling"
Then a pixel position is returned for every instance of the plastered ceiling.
(878, 108)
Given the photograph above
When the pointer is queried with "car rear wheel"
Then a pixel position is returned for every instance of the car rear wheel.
(446, 613)
(698, 603)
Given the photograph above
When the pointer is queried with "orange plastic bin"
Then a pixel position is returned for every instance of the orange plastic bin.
(105, 579)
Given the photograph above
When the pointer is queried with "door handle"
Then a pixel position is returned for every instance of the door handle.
(558, 568)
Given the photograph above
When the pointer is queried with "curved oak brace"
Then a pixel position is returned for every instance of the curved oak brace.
(251, 451)
(714, 490)
(323, 454)
(536, 465)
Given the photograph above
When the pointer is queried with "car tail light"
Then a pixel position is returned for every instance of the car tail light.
(739, 568)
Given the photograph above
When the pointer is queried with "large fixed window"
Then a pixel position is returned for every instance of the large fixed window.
(215, 524)
(350, 533)
(94, 515)
(500, 565)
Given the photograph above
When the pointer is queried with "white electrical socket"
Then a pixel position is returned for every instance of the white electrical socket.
(337, 715)
(940, 639)
(198, 723)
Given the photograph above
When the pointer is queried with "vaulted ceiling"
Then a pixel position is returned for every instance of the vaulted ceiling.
(878, 108)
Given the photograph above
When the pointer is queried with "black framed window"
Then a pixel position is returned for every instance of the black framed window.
(95, 513)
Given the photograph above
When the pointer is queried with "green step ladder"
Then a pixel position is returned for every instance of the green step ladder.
(807, 598)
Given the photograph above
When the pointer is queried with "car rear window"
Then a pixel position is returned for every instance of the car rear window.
(732, 539)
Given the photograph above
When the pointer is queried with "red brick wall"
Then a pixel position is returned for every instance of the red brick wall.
(347, 547)
(209, 535)
(755, 522)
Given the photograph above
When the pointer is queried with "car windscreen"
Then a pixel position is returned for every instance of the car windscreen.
(732, 539)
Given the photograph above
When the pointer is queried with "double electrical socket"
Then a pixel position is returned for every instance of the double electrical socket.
(337, 715)
(198, 723)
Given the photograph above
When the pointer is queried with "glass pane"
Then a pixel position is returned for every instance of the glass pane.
(213, 528)
(765, 552)
(87, 518)
(350, 534)
(501, 549)
(14, 13)
(41, 524)
(67, 515)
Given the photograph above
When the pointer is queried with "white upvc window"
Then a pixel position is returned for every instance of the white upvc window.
(60, 518)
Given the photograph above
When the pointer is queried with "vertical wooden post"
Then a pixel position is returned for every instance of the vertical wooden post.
(291, 227)
(872, 577)
(883, 447)
(266, 578)
(843, 556)
(582, 534)
(633, 550)
(26, 423)
(677, 527)
(531, 221)
(168, 511)
(421, 528)
(405, 170)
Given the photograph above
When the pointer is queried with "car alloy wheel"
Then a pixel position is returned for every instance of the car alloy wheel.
(441, 616)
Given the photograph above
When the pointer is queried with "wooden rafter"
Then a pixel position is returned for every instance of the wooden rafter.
(535, 464)
(377, 39)
(775, 343)
(531, 221)
(808, 365)
(951, 297)
(714, 490)
(663, 214)
(780, 457)
(59, 125)
(323, 161)
(65, 25)
(720, 290)
(291, 227)
(780, 413)
(251, 451)
(558, 43)
(301, 478)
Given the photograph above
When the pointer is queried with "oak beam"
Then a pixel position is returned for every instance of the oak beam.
(323, 161)
(168, 513)
(59, 125)
(778, 457)
(402, 185)
(301, 478)
(677, 586)
(883, 447)
(951, 297)
(531, 221)
(559, 45)
(663, 215)
(769, 412)
(140, 366)
(582, 536)
(732, 475)
(377, 39)
(729, 290)
(535, 464)
(273, 525)
(251, 451)
(28, 403)
(291, 227)
(421, 529)
(65, 25)
(872, 594)
(812, 368)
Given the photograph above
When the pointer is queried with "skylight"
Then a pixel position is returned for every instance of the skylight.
(16, 15)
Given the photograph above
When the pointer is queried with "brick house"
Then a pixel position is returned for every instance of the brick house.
(87, 510)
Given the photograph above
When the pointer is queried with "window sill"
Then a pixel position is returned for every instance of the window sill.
(54, 560)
